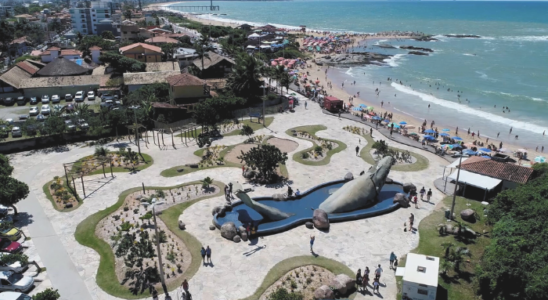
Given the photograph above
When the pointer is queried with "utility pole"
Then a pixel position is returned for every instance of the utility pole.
(135, 129)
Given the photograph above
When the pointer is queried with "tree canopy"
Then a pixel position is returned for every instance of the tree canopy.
(12, 191)
(94, 40)
(47, 294)
(107, 34)
(265, 158)
(214, 110)
(121, 63)
(245, 77)
(514, 264)
(5, 168)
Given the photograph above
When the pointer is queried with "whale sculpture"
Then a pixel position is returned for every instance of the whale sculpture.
(360, 192)
(270, 213)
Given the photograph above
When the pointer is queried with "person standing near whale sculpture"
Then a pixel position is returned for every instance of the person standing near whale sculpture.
(360, 192)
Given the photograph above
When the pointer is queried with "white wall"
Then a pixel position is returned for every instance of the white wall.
(411, 289)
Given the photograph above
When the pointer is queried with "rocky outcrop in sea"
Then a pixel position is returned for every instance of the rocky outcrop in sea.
(416, 48)
(347, 59)
(461, 36)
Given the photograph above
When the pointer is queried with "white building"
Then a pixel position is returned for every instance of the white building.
(420, 277)
(94, 20)
(6, 12)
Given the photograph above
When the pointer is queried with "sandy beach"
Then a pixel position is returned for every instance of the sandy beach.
(338, 91)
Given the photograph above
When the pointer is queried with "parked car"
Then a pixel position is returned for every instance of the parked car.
(70, 126)
(14, 296)
(21, 100)
(13, 233)
(33, 111)
(83, 124)
(45, 109)
(10, 281)
(9, 101)
(108, 96)
(69, 107)
(23, 117)
(9, 246)
(3, 211)
(16, 132)
(40, 118)
(79, 96)
(16, 267)
(68, 97)
(45, 99)
(55, 99)
(33, 100)
(91, 95)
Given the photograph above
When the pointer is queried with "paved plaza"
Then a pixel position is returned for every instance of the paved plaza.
(72, 267)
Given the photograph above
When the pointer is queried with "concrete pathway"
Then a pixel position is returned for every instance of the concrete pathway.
(356, 244)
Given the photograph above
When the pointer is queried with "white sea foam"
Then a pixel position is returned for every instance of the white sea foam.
(537, 99)
(527, 38)
(460, 108)
(392, 61)
(468, 54)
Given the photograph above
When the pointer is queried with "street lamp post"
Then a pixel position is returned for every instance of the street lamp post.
(455, 190)
(264, 104)
(153, 205)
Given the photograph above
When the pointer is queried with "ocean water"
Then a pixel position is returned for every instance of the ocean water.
(506, 67)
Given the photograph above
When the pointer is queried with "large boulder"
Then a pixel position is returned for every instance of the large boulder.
(280, 197)
(228, 230)
(324, 292)
(401, 199)
(216, 210)
(244, 236)
(342, 283)
(320, 219)
(408, 187)
(249, 174)
(212, 227)
(237, 239)
(468, 215)
(348, 176)
(309, 225)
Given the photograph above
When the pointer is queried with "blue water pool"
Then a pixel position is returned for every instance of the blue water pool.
(301, 209)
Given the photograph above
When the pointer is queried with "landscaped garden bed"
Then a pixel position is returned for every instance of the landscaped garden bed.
(123, 160)
(302, 280)
(131, 234)
(321, 151)
(61, 196)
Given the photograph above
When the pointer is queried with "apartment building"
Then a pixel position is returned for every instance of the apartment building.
(96, 19)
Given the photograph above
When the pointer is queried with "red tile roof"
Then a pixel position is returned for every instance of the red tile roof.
(504, 171)
(53, 48)
(95, 48)
(162, 39)
(185, 79)
(29, 68)
(20, 40)
(71, 52)
(146, 46)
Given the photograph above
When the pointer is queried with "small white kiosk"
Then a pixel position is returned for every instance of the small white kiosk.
(420, 277)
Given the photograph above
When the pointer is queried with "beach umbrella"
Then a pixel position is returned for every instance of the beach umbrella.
(444, 134)
(363, 105)
(486, 150)
(370, 108)
(394, 124)
(356, 109)
(413, 133)
(376, 118)
(469, 152)
(456, 146)
(367, 116)
(456, 138)
(486, 156)
(386, 121)
(430, 131)
(445, 129)
(540, 159)
(403, 123)
(429, 137)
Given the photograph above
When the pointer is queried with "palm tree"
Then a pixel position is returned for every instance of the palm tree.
(446, 248)
(278, 74)
(285, 80)
(202, 46)
(245, 77)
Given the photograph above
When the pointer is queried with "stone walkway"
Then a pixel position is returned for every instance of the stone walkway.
(356, 244)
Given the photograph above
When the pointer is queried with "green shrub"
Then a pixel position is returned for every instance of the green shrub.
(306, 155)
(283, 294)
(318, 150)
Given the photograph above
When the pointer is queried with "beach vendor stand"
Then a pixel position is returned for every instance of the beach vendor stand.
(332, 104)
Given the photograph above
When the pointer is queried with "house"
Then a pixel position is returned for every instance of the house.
(10, 81)
(185, 56)
(142, 52)
(132, 33)
(19, 46)
(187, 89)
(95, 53)
(420, 277)
(162, 39)
(482, 178)
(215, 66)
(60, 85)
(54, 52)
(62, 67)
(6, 11)
(155, 73)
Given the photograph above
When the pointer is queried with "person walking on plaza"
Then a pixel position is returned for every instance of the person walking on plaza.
(411, 221)
(203, 252)
(392, 258)
(208, 253)
(305, 104)
(365, 280)
(357, 150)
(376, 285)
(359, 278)
(312, 239)
(429, 195)
(422, 192)
(230, 190)
(378, 272)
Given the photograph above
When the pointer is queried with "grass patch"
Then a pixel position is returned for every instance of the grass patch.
(172, 172)
(45, 188)
(255, 125)
(106, 277)
(291, 263)
(147, 158)
(419, 165)
(454, 285)
(312, 129)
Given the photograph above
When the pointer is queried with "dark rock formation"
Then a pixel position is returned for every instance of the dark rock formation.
(468, 215)
(386, 46)
(418, 53)
(228, 230)
(460, 36)
(416, 48)
(345, 59)
(342, 283)
(320, 219)
(408, 187)
(237, 239)
(425, 38)
(324, 292)
(348, 176)
(401, 199)
(309, 225)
